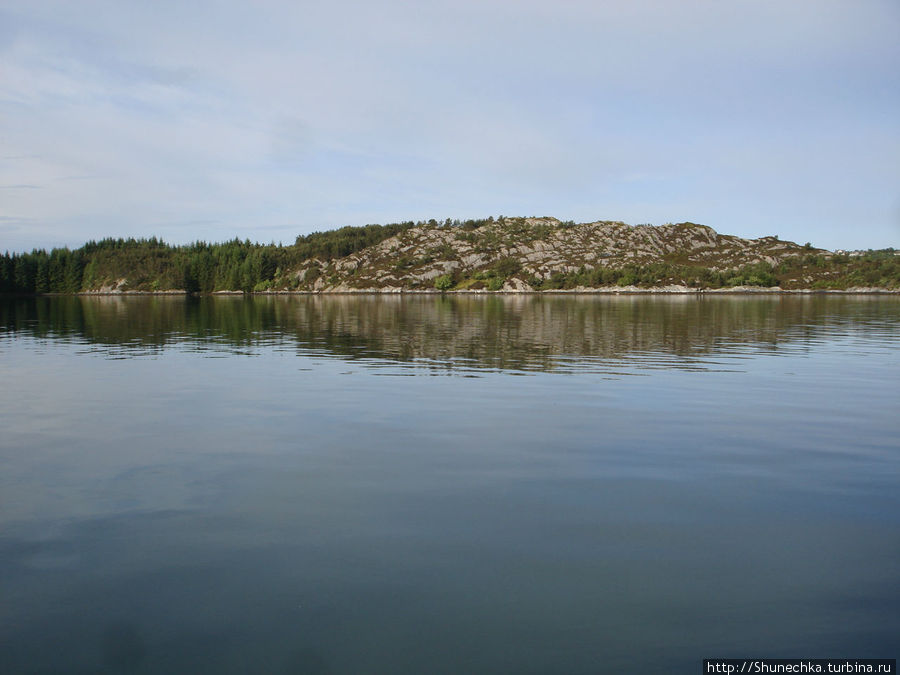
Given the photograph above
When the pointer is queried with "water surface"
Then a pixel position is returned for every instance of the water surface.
(445, 485)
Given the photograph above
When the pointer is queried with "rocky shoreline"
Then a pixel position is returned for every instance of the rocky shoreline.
(624, 290)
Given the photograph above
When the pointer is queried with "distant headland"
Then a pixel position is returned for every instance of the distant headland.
(489, 255)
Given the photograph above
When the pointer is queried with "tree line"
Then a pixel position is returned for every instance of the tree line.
(151, 264)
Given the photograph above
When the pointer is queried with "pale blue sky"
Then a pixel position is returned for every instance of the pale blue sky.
(264, 120)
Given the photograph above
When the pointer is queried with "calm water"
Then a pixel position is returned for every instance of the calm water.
(446, 485)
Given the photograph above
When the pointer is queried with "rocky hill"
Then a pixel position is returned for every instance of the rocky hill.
(515, 254)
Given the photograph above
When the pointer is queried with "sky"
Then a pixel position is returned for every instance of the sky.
(265, 120)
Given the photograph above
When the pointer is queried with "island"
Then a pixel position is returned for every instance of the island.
(504, 254)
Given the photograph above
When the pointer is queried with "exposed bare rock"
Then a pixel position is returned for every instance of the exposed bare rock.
(515, 285)
(515, 254)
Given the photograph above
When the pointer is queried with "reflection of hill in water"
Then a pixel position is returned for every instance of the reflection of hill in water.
(506, 332)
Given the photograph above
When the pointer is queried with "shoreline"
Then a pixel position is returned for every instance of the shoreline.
(628, 290)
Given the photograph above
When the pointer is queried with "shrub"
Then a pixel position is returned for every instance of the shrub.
(443, 282)
(506, 267)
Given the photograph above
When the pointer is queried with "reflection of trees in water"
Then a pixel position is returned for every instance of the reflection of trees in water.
(525, 332)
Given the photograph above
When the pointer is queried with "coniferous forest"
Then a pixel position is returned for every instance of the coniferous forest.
(200, 267)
